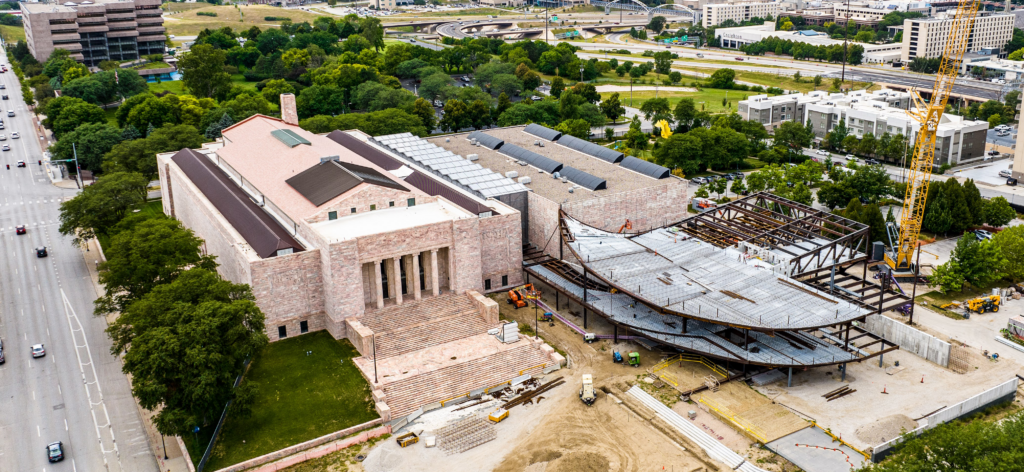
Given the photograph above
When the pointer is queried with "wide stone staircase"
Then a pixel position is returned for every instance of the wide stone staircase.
(424, 324)
(437, 348)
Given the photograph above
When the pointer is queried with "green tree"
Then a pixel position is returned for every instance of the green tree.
(872, 216)
(685, 113)
(612, 108)
(675, 77)
(370, 27)
(506, 84)
(575, 127)
(557, 86)
(274, 88)
(793, 136)
(150, 252)
(635, 138)
(998, 212)
(90, 140)
(657, 24)
(663, 62)
(64, 114)
(202, 71)
(185, 343)
(139, 156)
(817, 81)
(425, 111)
(1010, 243)
(655, 109)
(101, 205)
(248, 104)
(456, 116)
(995, 120)
(972, 263)
(569, 105)
(722, 79)
(321, 100)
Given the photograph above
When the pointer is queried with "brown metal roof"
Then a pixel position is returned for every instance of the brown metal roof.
(427, 184)
(432, 187)
(368, 152)
(258, 228)
(330, 178)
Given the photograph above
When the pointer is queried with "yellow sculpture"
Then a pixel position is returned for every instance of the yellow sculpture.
(666, 130)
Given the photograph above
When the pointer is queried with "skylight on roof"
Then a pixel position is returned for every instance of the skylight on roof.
(289, 137)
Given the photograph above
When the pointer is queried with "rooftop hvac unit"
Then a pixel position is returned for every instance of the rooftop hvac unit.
(525, 180)
(564, 180)
(511, 174)
(447, 140)
(472, 141)
(570, 189)
(472, 157)
(536, 143)
(522, 163)
(541, 144)
(555, 175)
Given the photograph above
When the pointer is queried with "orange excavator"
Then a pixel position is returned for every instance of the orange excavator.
(627, 225)
(516, 296)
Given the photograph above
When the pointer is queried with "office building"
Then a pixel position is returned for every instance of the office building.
(926, 37)
(95, 31)
(718, 13)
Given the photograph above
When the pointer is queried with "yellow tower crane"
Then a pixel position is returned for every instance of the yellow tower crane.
(928, 114)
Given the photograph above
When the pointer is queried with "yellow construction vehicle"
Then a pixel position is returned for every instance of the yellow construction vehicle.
(407, 439)
(899, 259)
(983, 304)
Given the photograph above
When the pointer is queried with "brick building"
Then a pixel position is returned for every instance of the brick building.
(389, 241)
(95, 30)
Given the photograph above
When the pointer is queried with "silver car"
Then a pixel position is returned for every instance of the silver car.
(38, 350)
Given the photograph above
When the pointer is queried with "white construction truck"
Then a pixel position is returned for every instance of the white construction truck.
(587, 390)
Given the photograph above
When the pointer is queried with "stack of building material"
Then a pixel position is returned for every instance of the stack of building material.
(508, 332)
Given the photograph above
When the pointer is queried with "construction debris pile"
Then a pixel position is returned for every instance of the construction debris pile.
(465, 434)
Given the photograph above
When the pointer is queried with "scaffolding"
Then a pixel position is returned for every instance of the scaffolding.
(465, 434)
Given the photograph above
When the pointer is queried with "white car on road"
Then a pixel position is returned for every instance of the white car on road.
(15, 135)
(822, 152)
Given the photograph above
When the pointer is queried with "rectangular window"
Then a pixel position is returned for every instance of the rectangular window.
(332, 215)
(411, 202)
(373, 207)
(487, 284)
(282, 331)
(303, 326)
(353, 210)
(391, 204)
(504, 280)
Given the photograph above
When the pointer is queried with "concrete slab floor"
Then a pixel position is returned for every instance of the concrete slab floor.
(914, 389)
(814, 451)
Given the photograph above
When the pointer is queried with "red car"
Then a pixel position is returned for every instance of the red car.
(20, 229)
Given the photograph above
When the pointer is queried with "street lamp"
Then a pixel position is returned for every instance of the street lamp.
(581, 73)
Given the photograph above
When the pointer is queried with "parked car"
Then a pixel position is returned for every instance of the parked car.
(993, 152)
(700, 180)
(1011, 182)
(1005, 173)
(982, 235)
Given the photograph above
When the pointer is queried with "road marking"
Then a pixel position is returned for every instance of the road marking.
(33, 395)
(59, 392)
(39, 433)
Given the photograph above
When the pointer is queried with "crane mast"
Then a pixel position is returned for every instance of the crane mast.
(928, 114)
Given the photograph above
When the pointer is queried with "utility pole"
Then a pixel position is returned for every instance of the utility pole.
(846, 34)
(547, 6)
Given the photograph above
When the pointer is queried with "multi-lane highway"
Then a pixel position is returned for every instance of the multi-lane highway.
(76, 394)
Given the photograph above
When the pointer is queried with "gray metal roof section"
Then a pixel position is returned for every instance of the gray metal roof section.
(669, 269)
(587, 147)
(470, 176)
(704, 337)
(542, 132)
(532, 158)
(583, 179)
(486, 140)
(647, 168)
(289, 137)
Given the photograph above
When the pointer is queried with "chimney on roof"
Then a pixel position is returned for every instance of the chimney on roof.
(288, 111)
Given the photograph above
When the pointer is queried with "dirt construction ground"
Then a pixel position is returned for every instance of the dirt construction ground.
(562, 434)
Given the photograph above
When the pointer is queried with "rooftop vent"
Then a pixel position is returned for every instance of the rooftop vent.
(329, 158)
(512, 174)
(472, 157)
(525, 180)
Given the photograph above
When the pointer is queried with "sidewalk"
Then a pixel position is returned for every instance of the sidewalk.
(175, 461)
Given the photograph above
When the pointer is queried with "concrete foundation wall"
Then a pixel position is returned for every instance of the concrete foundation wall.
(909, 339)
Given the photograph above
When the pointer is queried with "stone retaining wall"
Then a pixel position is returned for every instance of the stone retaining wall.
(301, 447)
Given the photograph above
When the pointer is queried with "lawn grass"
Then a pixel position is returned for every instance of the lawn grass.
(12, 33)
(174, 86)
(152, 65)
(712, 98)
(175, 7)
(111, 115)
(189, 23)
(300, 398)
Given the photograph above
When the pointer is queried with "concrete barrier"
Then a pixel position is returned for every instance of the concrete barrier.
(276, 456)
(909, 339)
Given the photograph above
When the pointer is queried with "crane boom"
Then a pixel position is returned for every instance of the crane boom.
(928, 114)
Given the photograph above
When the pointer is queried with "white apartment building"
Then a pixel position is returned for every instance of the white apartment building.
(926, 37)
(716, 14)
(733, 38)
(876, 113)
(870, 13)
